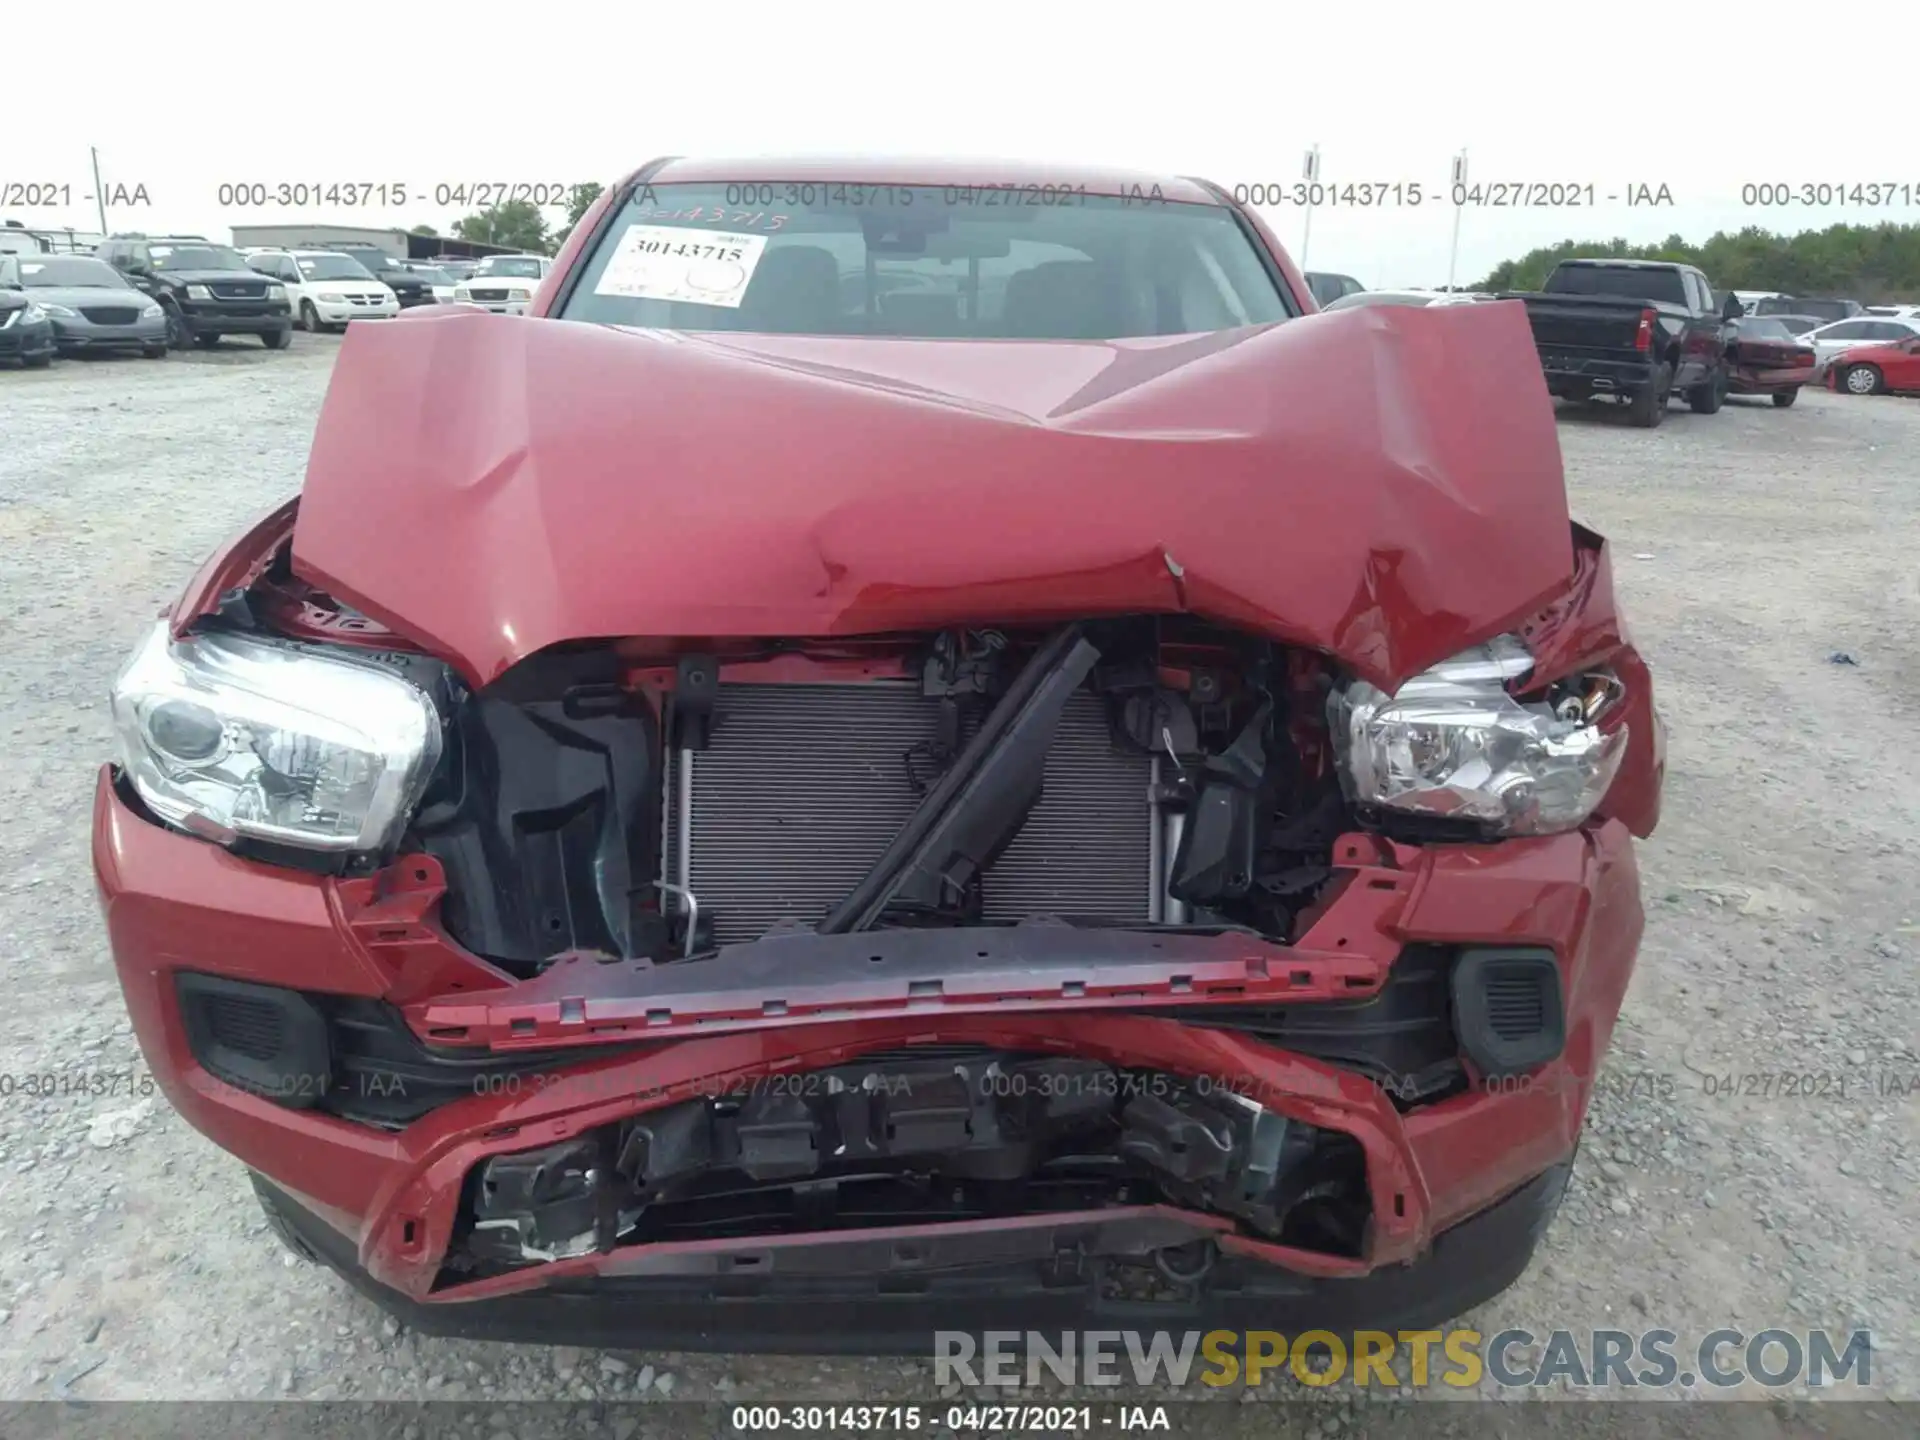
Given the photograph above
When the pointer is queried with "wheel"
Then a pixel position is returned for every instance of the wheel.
(208, 340)
(1707, 397)
(277, 339)
(1783, 398)
(310, 318)
(1649, 407)
(154, 352)
(1863, 380)
(179, 334)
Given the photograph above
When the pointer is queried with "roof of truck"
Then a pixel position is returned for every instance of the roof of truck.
(945, 170)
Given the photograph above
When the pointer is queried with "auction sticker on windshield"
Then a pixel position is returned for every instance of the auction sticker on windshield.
(666, 262)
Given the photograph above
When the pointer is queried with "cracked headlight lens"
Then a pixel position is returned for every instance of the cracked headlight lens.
(1452, 743)
(229, 736)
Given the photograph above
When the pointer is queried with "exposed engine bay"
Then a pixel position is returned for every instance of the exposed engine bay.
(1151, 772)
(915, 1138)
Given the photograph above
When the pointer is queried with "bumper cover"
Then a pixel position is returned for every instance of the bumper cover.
(390, 1198)
(26, 342)
(1625, 374)
(875, 1293)
(86, 335)
(241, 319)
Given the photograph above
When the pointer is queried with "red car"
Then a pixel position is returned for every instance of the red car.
(1764, 357)
(1892, 368)
(916, 749)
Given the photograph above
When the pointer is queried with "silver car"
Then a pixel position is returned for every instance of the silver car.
(92, 306)
(1831, 341)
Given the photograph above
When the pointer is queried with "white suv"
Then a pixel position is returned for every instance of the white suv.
(327, 289)
(504, 284)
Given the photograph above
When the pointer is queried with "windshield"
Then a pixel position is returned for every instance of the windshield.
(331, 267)
(1826, 310)
(432, 275)
(931, 261)
(196, 257)
(373, 261)
(1629, 282)
(525, 266)
(1758, 329)
(74, 274)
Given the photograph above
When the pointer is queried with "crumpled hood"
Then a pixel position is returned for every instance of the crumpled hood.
(1383, 484)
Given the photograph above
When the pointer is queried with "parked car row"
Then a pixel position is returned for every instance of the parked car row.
(153, 293)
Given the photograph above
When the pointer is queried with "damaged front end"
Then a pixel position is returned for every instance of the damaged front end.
(1049, 892)
(941, 948)
(921, 1137)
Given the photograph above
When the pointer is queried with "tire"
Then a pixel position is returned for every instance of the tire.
(1783, 398)
(1649, 407)
(178, 335)
(1863, 380)
(207, 340)
(1710, 394)
(310, 318)
(154, 352)
(277, 339)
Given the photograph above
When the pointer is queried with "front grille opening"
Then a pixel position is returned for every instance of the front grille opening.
(910, 1138)
(641, 800)
(804, 786)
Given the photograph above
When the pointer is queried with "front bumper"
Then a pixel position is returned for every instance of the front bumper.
(341, 314)
(859, 1297)
(82, 334)
(386, 1200)
(204, 317)
(27, 342)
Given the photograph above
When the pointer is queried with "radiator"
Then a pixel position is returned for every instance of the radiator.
(804, 786)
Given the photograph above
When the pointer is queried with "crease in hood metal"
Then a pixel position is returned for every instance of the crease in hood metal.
(1382, 484)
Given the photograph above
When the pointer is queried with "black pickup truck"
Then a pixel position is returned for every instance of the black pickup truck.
(1637, 330)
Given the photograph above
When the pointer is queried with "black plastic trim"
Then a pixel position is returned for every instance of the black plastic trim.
(300, 1070)
(1498, 1054)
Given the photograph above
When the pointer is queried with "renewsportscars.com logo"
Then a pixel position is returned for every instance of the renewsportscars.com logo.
(1462, 1359)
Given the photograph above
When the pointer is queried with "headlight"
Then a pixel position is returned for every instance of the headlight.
(199, 292)
(276, 292)
(460, 292)
(228, 736)
(1451, 742)
(331, 299)
(40, 311)
(151, 312)
(516, 292)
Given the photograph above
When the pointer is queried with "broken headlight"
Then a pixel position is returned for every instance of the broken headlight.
(1452, 743)
(228, 737)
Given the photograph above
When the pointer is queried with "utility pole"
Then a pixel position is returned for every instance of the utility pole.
(1312, 172)
(99, 192)
(1459, 178)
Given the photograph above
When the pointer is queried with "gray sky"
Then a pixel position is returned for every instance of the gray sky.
(1612, 97)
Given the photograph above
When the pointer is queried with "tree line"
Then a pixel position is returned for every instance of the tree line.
(520, 223)
(1874, 264)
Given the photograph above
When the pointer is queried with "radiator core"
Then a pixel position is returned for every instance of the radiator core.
(803, 787)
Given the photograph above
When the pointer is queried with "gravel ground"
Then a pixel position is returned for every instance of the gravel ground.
(1767, 560)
